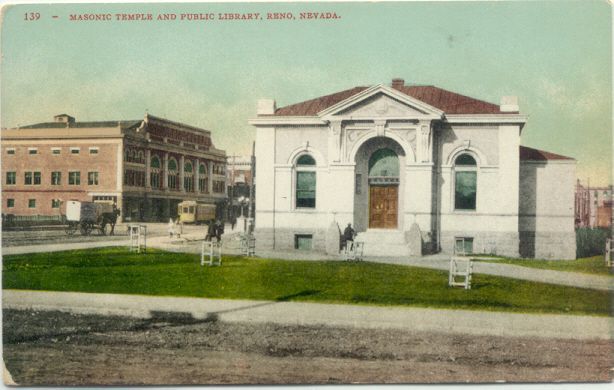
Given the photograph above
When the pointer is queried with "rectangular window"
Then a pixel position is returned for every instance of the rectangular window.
(465, 190)
(55, 203)
(93, 150)
(10, 203)
(56, 178)
(27, 178)
(10, 151)
(37, 178)
(173, 181)
(306, 189)
(74, 178)
(203, 184)
(188, 184)
(358, 184)
(31, 203)
(55, 151)
(463, 245)
(92, 178)
(74, 150)
(155, 180)
(303, 242)
(32, 150)
(11, 178)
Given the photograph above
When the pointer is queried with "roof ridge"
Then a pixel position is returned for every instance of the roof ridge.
(445, 100)
(534, 154)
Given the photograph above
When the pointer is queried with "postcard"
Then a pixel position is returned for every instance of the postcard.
(283, 193)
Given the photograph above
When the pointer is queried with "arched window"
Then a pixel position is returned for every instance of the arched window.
(172, 165)
(187, 167)
(155, 162)
(465, 182)
(305, 182)
(384, 163)
(154, 175)
(188, 176)
(203, 180)
(384, 167)
(173, 175)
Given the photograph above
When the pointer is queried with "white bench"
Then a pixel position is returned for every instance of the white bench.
(461, 269)
(138, 238)
(353, 251)
(609, 252)
(248, 245)
(212, 251)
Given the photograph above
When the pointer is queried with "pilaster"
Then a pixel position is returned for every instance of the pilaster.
(196, 172)
(165, 172)
(182, 173)
(148, 169)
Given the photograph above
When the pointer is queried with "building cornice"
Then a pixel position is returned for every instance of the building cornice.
(264, 121)
(487, 118)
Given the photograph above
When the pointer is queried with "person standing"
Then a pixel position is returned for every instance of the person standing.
(219, 230)
(348, 235)
(210, 231)
(171, 227)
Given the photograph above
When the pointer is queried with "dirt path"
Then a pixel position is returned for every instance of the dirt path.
(56, 348)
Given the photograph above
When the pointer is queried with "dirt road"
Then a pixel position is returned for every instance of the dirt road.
(54, 348)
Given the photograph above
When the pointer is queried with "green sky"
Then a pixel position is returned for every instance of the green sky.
(555, 56)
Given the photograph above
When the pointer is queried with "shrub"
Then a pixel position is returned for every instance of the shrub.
(591, 242)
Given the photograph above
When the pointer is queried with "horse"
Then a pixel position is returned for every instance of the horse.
(109, 218)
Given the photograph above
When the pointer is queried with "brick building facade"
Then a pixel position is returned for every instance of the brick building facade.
(144, 166)
(593, 206)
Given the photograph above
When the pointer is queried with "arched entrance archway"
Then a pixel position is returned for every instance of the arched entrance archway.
(383, 182)
(379, 194)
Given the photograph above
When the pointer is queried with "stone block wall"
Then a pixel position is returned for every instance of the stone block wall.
(484, 242)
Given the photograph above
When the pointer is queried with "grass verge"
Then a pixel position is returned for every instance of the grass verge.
(116, 270)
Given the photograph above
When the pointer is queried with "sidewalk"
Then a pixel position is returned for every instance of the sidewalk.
(299, 313)
(192, 242)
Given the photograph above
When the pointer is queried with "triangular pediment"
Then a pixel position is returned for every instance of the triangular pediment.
(381, 105)
(381, 102)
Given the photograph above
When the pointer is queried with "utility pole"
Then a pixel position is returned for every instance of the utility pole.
(250, 210)
(232, 190)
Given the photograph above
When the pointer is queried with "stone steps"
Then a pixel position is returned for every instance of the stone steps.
(381, 242)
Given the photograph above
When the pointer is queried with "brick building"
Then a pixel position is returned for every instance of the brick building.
(144, 166)
(239, 179)
(593, 206)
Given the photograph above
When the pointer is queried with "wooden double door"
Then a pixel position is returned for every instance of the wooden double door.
(383, 206)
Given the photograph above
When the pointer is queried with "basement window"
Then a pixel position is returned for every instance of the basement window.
(303, 242)
(463, 245)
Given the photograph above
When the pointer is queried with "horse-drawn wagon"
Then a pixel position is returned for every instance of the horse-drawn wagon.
(88, 216)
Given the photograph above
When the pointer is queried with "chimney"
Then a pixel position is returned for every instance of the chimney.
(398, 83)
(509, 104)
(266, 107)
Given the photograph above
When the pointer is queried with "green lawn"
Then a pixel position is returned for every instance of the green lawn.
(588, 265)
(116, 270)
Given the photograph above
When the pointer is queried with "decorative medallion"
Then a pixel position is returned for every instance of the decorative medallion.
(382, 107)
